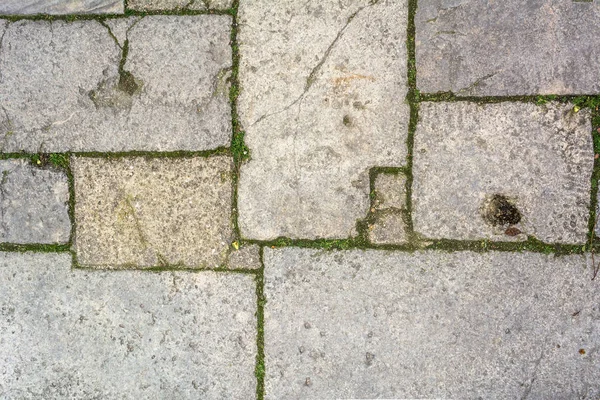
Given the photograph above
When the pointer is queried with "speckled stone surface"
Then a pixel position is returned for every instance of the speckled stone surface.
(152, 5)
(317, 83)
(72, 334)
(9, 7)
(152, 212)
(538, 157)
(462, 325)
(509, 47)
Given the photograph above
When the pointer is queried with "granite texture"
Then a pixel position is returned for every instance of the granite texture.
(378, 324)
(152, 5)
(540, 158)
(72, 334)
(317, 81)
(153, 212)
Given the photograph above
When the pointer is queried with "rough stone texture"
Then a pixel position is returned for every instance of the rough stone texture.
(540, 157)
(322, 101)
(8, 7)
(139, 212)
(33, 204)
(508, 47)
(388, 227)
(388, 224)
(123, 335)
(375, 324)
(246, 257)
(147, 5)
(60, 87)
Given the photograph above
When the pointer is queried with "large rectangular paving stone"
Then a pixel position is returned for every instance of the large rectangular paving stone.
(150, 5)
(9, 7)
(323, 87)
(123, 335)
(502, 171)
(63, 86)
(33, 204)
(150, 212)
(508, 47)
(377, 324)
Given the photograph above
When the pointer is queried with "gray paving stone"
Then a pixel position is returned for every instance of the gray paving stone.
(172, 93)
(388, 227)
(540, 158)
(33, 204)
(123, 335)
(390, 191)
(376, 324)
(8, 7)
(388, 224)
(246, 257)
(322, 101)
(140, 212)
(508, 47)
(147, 5)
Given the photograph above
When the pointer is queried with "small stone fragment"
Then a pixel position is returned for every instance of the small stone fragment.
(33, 203)
(390, 191)
(152, 212)
(246, 257)
(388, 227)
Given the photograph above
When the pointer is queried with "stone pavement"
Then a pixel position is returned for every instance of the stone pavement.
(233, 199)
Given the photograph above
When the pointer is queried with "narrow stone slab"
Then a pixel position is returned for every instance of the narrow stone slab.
(508, 47)
(148, 5)
(388, 224)
(33, 204)
(8, 7)
(62, 87)
(376, 324)
(322, 101)
(536, 159)
(149, 212)
(114, 335)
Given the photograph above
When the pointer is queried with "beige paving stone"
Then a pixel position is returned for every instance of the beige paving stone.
(152, 212)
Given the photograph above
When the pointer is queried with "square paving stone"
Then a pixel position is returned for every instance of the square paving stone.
(147, 5)
(150, 212)
(34, 203)
(72, 334)
(322, 100)
(508, 47)
(378, 324)
(65, 86)
(491, 171)
(8, 7)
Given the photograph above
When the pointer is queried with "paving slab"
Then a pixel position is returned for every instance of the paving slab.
(377, 324)
(508, 47)
(123, 335)
(33, 203)
(388, 222)
(152, 212)
(318, 81)
(245, 257)
(533, 162)
(8, 7)
(63, 86)
(152, 5)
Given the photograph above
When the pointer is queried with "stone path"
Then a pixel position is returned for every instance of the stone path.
(233, 199)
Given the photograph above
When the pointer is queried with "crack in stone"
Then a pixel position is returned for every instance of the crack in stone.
(477, 82)
(533, 378)
(311, 79)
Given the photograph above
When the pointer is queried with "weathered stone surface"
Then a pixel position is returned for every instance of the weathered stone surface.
(246, 257)
(390, 191)
(139, 212)
(147, 5)
(540, 158)
(322, 101)
(388, 227)
(508, 47)
(375, 324)
(123, 335)
(61, 88)
(33, 204)
(8, 7)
